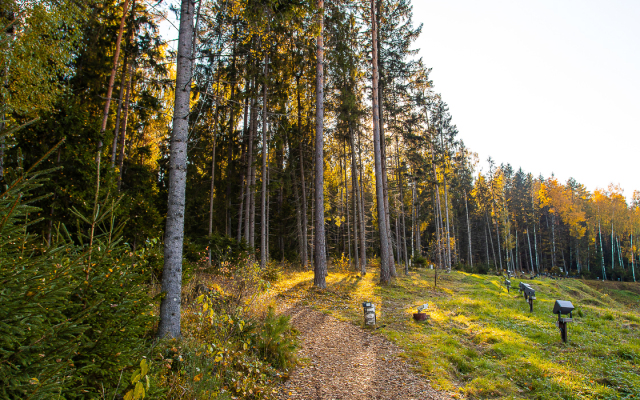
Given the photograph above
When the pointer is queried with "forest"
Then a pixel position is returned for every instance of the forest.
(281, 134)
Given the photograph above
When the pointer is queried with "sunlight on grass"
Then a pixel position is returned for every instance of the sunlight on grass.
(481, 342)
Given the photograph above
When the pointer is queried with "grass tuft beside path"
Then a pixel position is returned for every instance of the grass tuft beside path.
(481, 342)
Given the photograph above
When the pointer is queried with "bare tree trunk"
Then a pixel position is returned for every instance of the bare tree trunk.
(305, 240)
(213, 175)
(320, 268)
(125, 122)
(404, 228)
(385, 273)
(265, 155)
(174, 233)
(116, 131)
(354, 201)
(346, 201)
(604, 272)
(112, 79)
(633, 265)
(413, 219)
(252, 122)
(357, 194)
(361, 205)
(466, 207)
(446, 209)
(486, 243)
(244, 181)
(553, 238)
(418, 232)
(530, 254)
(493, 250)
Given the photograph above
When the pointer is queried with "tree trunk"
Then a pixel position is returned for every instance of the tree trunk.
(385, 273)
(320, 268)
(174, 233)
(404, 228)
(493, 250)
(243, 158)
(346, 200)
(604, 273)
(125, 122)
(530, 255)
(357, 198)
(305, 240)
(446, 208)
(466, 208)
(213, 175)
(112, 79)
(633, 266)
(265, 155)
(252, 123)
(116, 131)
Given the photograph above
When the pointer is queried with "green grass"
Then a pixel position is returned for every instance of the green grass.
(480, 342)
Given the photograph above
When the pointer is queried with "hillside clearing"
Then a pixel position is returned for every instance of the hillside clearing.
(481, 342)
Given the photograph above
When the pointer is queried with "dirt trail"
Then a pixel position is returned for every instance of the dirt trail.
(344, 362)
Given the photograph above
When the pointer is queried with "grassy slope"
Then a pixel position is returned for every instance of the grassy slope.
(481, 342)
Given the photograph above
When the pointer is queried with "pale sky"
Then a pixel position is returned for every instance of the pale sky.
(549, 86)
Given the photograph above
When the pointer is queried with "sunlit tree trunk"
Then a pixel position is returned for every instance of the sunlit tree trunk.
(553, 241)
(303, 200)
(213, 176)
(357, 198)
(243, 158)
(604, 273)
(346, 201)
(116, 130)
(404, 228)
(112, 79)
(385, 273)
(446, 208)
(320, 267)
(250, 170)
(493, 250)
(125, 122)
(633, 265)
(174, 234)
(530, 254)
(466, 208)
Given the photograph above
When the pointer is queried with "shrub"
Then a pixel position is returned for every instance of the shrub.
(418, 261)
(276, 341)
(74, 313)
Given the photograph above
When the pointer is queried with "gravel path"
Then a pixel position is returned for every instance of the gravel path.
(344, 362)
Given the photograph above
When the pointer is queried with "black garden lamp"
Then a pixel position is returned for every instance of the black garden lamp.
(530, 294)
(563, 307)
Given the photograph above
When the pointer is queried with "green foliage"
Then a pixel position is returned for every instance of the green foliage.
(226, 351)
(37, 48)
(272, 272)
(276, 341)
(418, 261)
(75, 312)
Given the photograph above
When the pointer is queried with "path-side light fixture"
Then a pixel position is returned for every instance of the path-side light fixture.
(419, 316)
(563, 307)
(530, 294)
(369, 313)
(521, 287)
(507, 283)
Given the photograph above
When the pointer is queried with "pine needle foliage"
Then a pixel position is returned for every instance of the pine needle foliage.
(73, 315)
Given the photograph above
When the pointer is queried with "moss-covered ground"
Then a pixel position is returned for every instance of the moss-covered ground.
(482, 342)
